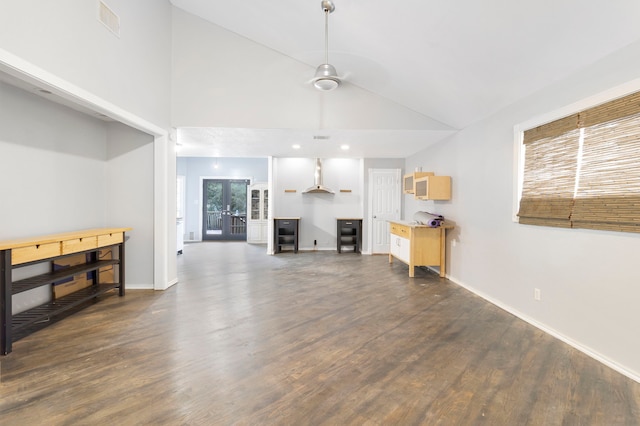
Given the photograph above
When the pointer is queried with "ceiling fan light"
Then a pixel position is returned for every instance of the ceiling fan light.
(326, 78)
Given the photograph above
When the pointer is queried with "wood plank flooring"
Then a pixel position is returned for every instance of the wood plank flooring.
(315, 338)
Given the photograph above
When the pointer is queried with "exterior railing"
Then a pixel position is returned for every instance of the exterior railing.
(238, 223)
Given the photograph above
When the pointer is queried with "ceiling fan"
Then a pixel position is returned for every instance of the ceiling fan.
(326, 77)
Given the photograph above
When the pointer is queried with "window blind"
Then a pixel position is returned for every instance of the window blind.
(549, 173)
(604, 174)
(608, 195)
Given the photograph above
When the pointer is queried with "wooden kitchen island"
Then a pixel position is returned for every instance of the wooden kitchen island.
(418, 245)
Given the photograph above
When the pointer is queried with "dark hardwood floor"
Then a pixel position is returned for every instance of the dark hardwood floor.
(315, 338)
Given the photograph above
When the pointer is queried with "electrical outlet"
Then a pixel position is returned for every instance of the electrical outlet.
(536, 294)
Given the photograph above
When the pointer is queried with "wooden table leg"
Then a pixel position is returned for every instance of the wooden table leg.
(442, 252)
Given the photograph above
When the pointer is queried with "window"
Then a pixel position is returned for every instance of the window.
(583, 171)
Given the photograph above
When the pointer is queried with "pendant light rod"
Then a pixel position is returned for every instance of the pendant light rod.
(326, 77)
(326, 36)
(327, 7)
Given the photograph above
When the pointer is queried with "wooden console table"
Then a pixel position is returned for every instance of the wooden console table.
(418, 245)
(86, 275)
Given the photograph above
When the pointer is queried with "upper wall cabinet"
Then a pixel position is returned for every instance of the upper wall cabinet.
(432, 188)
(408, 182)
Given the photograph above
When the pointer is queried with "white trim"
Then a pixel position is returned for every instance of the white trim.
(558, 335)
(270, 206)
(135, 287)
(28, 72)
(518, 130)
(25, 71)
(161, 249)
(369, 210)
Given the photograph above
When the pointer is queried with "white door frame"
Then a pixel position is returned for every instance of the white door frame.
(398, 201)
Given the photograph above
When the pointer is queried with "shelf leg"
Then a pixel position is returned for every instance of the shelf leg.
(443, 256)
(121, 268)
(5, 302)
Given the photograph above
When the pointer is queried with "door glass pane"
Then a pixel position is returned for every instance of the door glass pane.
(238, 208)
(265, 207)
(255, 204)
(213, 202)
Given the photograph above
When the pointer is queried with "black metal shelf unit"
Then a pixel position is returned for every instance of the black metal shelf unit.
(349, 233)
(286, 234)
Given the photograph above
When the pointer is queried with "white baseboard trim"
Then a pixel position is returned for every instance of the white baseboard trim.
(584, 349)
(138, 286)
(172, 282)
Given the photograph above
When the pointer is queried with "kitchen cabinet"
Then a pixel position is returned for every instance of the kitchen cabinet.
(432, 188)
(349, 233)
(408, 181)
(285, 233)
(418, 245)
(81, 268)
(257, 218)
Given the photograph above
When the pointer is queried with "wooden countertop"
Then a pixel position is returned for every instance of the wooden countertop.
(30, 241)
(417, 225)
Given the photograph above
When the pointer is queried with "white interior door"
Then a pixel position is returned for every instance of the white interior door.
(384, 199)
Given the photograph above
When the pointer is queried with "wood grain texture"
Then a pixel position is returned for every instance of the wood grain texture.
(314, 338)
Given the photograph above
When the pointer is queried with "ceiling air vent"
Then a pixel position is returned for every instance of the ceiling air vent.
(108, 18)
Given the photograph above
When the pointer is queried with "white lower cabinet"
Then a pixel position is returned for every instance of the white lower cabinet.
(400, 248)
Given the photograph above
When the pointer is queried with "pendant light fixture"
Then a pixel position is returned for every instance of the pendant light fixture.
(326, 77)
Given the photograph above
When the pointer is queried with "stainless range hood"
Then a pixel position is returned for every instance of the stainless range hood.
(318, 187)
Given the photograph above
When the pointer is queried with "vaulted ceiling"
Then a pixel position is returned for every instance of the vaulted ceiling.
(455, 62)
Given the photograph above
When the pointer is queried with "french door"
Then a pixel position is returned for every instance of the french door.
(224, 209)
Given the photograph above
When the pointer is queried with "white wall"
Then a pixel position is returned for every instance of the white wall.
(52, 163)
(588, 279)
(129, 198)
(318, 212)
(65, 38)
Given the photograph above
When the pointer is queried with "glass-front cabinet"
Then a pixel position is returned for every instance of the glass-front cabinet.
(258, 200)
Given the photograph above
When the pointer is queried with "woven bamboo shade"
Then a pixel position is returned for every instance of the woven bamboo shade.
(612, 110)
(549, 180)
(552, 129)
(607, 194)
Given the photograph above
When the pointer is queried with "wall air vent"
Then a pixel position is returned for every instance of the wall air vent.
(108, 18)
(321, 137)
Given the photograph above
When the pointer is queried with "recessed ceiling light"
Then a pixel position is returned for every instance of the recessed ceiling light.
(295, 146)
(344, 147)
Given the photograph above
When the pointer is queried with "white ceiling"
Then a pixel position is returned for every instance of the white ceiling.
(455, 62)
